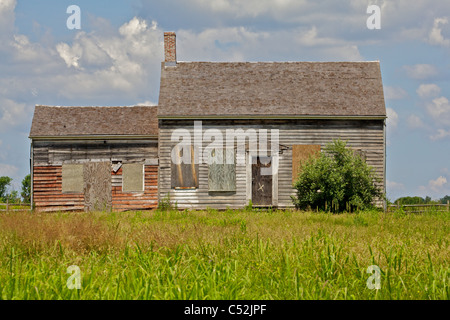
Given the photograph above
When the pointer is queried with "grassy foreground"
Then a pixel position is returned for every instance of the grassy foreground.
(224, 255)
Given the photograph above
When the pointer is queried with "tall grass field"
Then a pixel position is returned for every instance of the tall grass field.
(210, 254)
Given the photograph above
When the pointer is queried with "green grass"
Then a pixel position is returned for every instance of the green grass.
(224, 255)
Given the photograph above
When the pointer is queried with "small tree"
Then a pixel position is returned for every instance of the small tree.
(26, 189)
(4, 183)
(337, 180)
(13, 197)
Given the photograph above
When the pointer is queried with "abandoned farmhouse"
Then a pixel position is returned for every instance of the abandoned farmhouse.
(243, 126)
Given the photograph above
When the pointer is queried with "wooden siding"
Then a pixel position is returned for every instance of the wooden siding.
(148, 199)
(59, 152)
(367, 135)
(48, 195)
(49, 156)
(47, 191)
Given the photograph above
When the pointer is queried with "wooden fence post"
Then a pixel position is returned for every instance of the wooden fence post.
(448, 205)
(7, 204)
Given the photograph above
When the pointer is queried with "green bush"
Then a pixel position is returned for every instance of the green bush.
(337, 180)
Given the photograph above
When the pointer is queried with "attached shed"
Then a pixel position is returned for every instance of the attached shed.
(94, 158)
(265, 117)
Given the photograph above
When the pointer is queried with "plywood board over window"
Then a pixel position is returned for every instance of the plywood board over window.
(184, 175)
(133, 177)
(222, 171)
(301, 153)
(72, 178)
(97, 186)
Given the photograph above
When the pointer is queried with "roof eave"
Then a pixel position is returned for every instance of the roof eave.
(272, 117)
(94, 137)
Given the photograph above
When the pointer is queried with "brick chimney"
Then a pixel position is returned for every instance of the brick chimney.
(170, 47)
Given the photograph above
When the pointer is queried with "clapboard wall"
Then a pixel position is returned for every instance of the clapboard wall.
(367, 135)
(49, 157)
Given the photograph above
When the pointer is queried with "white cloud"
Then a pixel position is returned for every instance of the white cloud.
(8, 170)
(392, 185)
(437, 187)
(428, 90)
(243, 44)
(438, 184)
(421, 71)
(252, 8)
(147, 103)
(12, 113)
(435, 36)
(6, 17)
(69, 55)
(439, 109)
(414, 122)
(394, 93)
(392, 118)
(441, 134)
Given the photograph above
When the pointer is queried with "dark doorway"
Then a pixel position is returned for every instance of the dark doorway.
(262, 181)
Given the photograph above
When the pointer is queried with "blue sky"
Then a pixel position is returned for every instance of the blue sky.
(115, 60)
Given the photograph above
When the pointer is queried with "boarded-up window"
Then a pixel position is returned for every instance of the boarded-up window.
(132, 177)
(184, 175)
(222, 171)
(72, 178)
(301, 153)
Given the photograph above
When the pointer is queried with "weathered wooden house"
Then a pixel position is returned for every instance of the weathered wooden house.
(94, 158)
(262, 118)
(224, 133)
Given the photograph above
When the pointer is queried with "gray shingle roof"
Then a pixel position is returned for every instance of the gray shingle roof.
(275, 89)
(53, 121)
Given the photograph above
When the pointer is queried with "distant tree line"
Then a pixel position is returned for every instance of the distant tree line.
(12, 196)
(420, 200)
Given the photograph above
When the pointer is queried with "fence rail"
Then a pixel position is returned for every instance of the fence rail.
(399, 205)
(8, 206)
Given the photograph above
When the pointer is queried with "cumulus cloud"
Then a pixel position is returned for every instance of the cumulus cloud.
(6, 17)
(414, 122)
(8, 170)
(121, 66)
(441, 134)
(11, 113)
(394, 93)
(421, 71)
(439, 109)
(428, 90)
(438, 187)
(392, 185)
(392, 118)
(435, 36)
(438, 184)
(243, 44)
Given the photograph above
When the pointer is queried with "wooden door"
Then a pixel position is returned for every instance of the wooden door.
(261, 183)
(97, 186)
